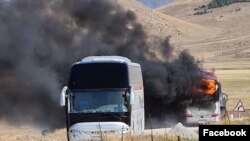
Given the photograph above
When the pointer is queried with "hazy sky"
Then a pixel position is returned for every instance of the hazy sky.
(155, 3)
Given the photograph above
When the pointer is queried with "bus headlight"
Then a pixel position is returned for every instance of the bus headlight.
(123, 131)
(76, 133)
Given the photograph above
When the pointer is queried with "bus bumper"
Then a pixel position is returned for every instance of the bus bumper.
(96, 130)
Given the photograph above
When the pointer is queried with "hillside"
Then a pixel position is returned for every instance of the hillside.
(232, 24)
(228, 52)
(163, 25)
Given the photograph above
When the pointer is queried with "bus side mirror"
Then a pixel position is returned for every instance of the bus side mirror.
(63, 96)
(132, 98)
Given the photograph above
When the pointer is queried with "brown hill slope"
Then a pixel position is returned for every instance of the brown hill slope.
(160, 24)
(231, 21)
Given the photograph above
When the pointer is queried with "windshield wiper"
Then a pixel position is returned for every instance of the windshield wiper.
(118, 117)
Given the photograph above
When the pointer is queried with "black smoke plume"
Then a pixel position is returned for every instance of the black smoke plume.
(40, 39)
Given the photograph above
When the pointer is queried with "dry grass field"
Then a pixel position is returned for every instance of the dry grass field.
(28, 133)
(236, 84)
(10, 132)
(234, 75)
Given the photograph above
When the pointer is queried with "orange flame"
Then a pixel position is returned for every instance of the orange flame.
(208, 87)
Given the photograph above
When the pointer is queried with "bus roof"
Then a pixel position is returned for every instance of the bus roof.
(100, 59)
(105, 59)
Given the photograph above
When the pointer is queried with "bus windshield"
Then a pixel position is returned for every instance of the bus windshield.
(87, 101)
(99, 76)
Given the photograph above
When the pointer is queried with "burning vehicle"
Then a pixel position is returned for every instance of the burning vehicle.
(209, 104)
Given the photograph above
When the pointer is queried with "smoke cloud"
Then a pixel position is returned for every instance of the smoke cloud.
(40, 39)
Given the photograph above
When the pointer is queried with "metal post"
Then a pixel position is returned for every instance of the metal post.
(152, 135)
(101, 132)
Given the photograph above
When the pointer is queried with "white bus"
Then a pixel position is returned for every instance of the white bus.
(201, 115)
(104, 95)
(206, 108)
